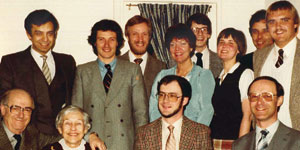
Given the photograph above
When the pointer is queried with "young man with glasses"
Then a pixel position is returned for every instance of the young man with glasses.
(173, 131)
(266, 96)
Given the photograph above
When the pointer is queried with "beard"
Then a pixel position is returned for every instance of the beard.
(174, 112)
(136, 51)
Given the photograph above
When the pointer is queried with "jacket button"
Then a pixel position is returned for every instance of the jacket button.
(122, 134)
(92, 106)
(121, 120)
(119, 105)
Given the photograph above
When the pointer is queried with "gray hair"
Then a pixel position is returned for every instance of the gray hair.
(7, 95)
(72, 108)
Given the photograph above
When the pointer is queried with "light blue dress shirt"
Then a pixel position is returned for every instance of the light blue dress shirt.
(102, 68)
(199, 108)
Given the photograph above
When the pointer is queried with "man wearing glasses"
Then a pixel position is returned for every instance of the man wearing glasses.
(173, 131)
(266, 96)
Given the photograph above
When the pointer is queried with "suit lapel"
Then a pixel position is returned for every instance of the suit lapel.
(95, 74)
(156, 134)
(260, 58)
(186, 135)
(4, 142)
(280, 138)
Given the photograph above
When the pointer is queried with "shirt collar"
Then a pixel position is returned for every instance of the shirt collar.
(231, 70)
(37, 55)
(288, 49)
(177, 124)
(272, 129)
(66, 147)
(132, 57)
(8, 132)
(102, 65)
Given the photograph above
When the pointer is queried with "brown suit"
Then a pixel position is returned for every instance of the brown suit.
(194, 136)
(153, 67)
(259, 59)
(19, 70)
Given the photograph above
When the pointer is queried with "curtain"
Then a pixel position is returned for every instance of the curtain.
(163, 16)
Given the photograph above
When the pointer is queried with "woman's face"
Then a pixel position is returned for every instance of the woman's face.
(227, 48)
(180, 50)
(73, 129)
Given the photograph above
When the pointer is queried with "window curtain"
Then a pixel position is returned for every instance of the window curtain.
(163, 16)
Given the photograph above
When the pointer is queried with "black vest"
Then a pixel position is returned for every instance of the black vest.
(227, 106)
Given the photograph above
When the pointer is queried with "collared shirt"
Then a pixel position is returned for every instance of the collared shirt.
(166, 132)
(272, 129)
(144, 62)
(205, 58)
(246, 78)
(66, 147)
(283, 75)
(39, 61)
(10, 135)
(102, 68)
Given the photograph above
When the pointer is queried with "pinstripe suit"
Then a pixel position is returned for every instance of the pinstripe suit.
(194, 136)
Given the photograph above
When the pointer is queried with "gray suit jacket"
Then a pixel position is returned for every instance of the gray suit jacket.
(215, 63)
(115, 116)
(285, 138)
(259, 58)
(153, 67)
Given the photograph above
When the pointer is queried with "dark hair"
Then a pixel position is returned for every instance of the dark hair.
(181, 31)
(238, 37)
(185, 86)
(39, 17)
(279, 88)
(106, 25)
(137, 19)
(284, 5)
(199, 19)
(256, 17)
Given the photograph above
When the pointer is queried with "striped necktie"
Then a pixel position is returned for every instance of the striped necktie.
(280, 59)
(171, 142)
(263, 143)
(138, 61)
(107, 78)
(45, 70)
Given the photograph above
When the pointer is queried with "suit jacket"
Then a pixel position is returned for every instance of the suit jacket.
(194, 136)
(215, 63)
(153, 67)
(284, 138)
(19, 70)
(32, 139)
(116, 115)
(259, 58)
(247, 60)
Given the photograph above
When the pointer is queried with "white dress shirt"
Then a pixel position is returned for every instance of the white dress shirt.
(283, 75)
(144, 62)
(272, 129)
(166, 132)
(205, 58)
(39, 61)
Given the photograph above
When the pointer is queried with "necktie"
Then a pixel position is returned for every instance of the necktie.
(171, 143)
(45, 70)
(107, 78)
(18, 138)
(199, 59)
(263, 143)
(138, 60)
(280, 59)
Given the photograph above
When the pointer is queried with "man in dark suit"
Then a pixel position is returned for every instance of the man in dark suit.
(260, 36)
(282, 59)
(204, 57)
(138, 31)
(266, 96)
(173, 131)
(46, 75)
(111, 90)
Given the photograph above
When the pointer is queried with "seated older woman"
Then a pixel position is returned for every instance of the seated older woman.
(72, 123)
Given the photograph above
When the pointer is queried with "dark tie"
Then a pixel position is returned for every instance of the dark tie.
(263, 143)
(280, 59)
(171, 142)
(199, 59)
(107, 78)
(18, 138)
(138, 60)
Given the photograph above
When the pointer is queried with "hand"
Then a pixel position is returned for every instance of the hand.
(96, 142)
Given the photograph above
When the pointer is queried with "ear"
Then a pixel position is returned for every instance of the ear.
(2, 107)
(279, 101)
(127, 37)
(185, 101)
(59, 130)
(29, 36)
(208, 36)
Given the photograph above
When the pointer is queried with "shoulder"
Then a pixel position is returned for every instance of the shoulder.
(195, 126)
(156, 61)
(150, 126)
(244, 139)
(87, 65)
(65, 57)
(20, 54)
(263, 51)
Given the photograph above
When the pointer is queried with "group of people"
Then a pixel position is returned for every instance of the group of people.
(206, 101)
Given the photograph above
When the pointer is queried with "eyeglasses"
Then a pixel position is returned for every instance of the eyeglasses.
(267, 96)
(197, 30)
(172, 97)
(14, 109)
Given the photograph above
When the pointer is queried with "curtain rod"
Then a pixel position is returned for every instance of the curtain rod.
(131, 5)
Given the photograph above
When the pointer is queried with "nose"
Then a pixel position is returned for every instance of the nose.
(21, 113)
(105, 43)
(45, 38)
(140, 38)
(73, 126)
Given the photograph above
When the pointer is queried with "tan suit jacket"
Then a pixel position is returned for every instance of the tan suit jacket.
(115, 116)
(215, 63)
(153, 67)
(259, 59)
(194, 136)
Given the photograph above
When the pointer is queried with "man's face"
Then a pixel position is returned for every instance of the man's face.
(42, 37)
(263, 110)
(17, 122)
(106, 44)
(260, 35)
(138, 38)
(170, 108)
(281, 26)
(201, 34)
